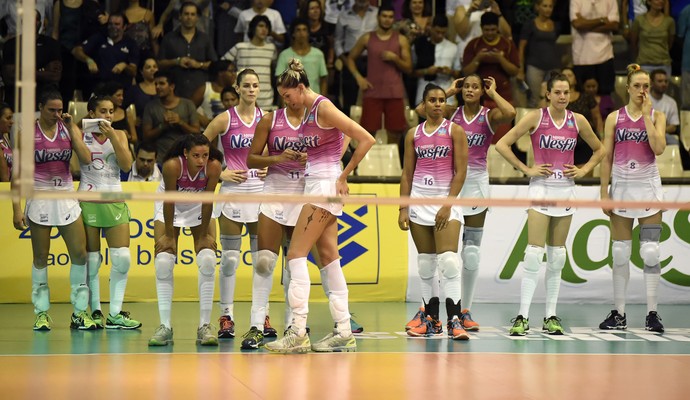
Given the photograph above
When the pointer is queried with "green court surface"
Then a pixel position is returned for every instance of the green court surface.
(383, 331)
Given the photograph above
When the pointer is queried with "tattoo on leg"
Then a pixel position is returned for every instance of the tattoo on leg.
(310, 217)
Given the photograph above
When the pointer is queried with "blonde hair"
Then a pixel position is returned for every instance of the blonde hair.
(293, 75)
(634, 69)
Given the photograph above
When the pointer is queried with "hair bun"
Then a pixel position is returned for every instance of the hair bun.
(296, 65)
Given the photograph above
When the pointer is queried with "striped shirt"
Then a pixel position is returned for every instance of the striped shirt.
(258, 58)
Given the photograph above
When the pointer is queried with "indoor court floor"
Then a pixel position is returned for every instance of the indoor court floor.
(586, 363)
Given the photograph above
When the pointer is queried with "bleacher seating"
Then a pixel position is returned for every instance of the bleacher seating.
(498, 166)
(77, 109)
(685, 129)
(669, 163)
(381, 160)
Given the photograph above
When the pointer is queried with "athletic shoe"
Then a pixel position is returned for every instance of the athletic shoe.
(97, 317)
(520, 326)
(163, 336)
(552, 326)
(429, 327)
(417, 320)
(456, 331)
(205, 336)
(42, 322)
(653, 322)
(269, 331)
(252, 339)
(227, 327)
(82, 321)
(354, 326)
(467, 321)
(121, 321)
(290, 343)
(614, 321)
(335, 342)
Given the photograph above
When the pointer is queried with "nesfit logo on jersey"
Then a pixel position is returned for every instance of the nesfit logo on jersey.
(47, 155)
(632, 135)
(557, 143)
(475, 139)
(282, 143)
(240, 141)
(431, 151)
(310, 141)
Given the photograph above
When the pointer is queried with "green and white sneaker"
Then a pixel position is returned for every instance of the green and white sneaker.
(252, 339)
(290, 343)
(552, 326)
(163, 336)
(82, 321)
(205, 336)
(98, 319)
(121, 321)
(42, 322)
(335, 342)
(520, 326)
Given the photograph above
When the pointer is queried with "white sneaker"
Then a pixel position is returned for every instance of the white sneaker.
(290, 343)
(335, 342)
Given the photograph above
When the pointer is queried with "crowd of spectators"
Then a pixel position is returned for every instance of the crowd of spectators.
(172, 60)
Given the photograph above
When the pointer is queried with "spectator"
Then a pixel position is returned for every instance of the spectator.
(187, 52)
(48, 63)
(6, 157)
(261, 7)
(492, 55)
(144, 167)
(143, 92)
(416, 23)
(467, 21)
(111, 57)
(605, 103)
(320, 33)
(537, 38)
(8, 15)
(352, 24)
(631, 9)
(436, 58)
(388, 57)
(664, 103)
(229, 97)
(651, 38)
(683, 33)
(168, 117)
(226, 14)
(141, 23)
(593, 25)
(312, 58)
(207, 97)
(259, 55)
(73, 22)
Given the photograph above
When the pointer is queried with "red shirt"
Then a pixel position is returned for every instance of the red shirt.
(491, 68)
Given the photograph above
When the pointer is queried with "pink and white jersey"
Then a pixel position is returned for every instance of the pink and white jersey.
(286, 175)
(633, 158)
(7, 153)
(102, 174)
(51, 157)
(187, 183)
(555, 145)
(479, 136)
(324, 145)
(235, 143)
(435, 168)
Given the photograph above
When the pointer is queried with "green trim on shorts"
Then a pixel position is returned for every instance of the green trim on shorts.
(104, 215)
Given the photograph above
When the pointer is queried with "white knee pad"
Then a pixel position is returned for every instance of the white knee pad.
(472, 236)
(120, 259)
(337, 303)
(80, 297)
(40, 297)
(164, 264)
(449, 264)
(470, 257)
(556, 257)
(93, 262)
(534, 255)
(229, 261)
(620, 253)
(206, 261)
(426, 265)
(649, 251)
(298, 296)
(265, 263)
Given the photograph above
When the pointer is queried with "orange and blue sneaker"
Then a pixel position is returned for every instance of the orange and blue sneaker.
(429, 327)
(269, 331)
(467, 321)
(456, 330)
(227, 327)
(417, 320)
